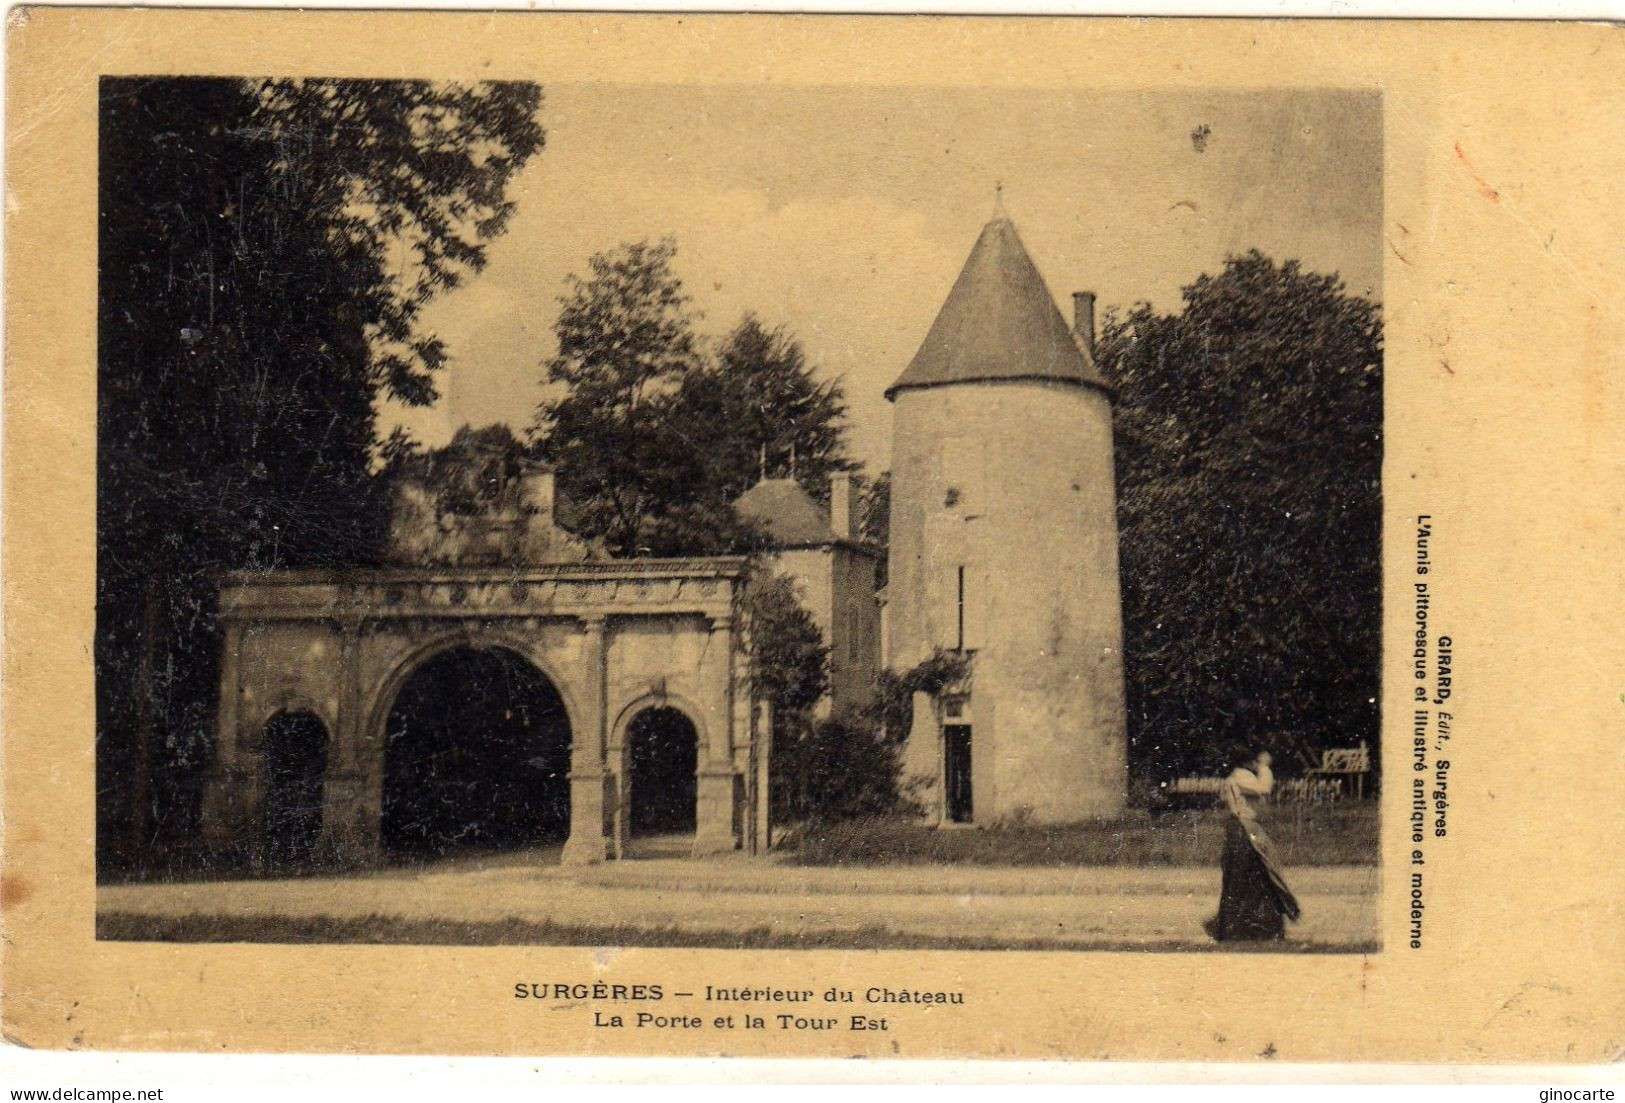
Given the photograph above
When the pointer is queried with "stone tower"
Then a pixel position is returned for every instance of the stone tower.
(1004, 548)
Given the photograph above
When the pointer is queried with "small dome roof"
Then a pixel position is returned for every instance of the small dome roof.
(787, 512)
(999, 322)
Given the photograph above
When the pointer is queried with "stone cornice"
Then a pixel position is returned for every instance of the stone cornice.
(729, 566)
(704, 588)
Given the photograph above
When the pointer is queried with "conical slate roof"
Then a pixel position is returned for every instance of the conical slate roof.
(788, 513)
(999, 322)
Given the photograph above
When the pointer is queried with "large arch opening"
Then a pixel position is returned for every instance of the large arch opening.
(476, 757)
(295, 746)
(663, 753)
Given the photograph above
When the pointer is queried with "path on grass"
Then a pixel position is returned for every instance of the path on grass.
(1071, 906)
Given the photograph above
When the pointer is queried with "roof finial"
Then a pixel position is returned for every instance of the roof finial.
(762, 469)
(998, 199)
(792, 459)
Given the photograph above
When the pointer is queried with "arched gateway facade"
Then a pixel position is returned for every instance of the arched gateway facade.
(615, 639)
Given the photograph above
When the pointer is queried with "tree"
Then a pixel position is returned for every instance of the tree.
(253, 305)
(626, 344)
(758, 411)
(1249, 462)
(387, 167)
(789, 659)
(822, 769)
(654, 440)
(790, 671)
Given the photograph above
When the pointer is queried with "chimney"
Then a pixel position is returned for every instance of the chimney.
(1083, 320)
(840, 504)
(536, 489)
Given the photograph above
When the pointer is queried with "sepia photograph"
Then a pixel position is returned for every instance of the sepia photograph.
(940, 544)
(589, 514)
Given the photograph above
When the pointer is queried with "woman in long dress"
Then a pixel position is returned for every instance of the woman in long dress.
(1254, 901)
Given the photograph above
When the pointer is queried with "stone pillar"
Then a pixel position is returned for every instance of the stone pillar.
(714, 815)
(618, 793)
(587, 843)
(230, 795)
(352, 791)
(763, 740)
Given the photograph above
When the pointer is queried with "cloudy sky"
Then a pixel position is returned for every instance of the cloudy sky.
(845, 214)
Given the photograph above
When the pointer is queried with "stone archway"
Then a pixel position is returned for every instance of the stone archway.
(611, 638)
(476, 747)
(294, 743)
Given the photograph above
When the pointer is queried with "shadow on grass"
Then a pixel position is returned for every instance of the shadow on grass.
(385, 930)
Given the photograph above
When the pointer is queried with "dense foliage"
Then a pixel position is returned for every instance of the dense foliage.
(626, 342)
(266, 249)
(893, 708)
(654, 436)
(789, 659)
(756, 409)
(1249, 455)
(834, 767)
(837, 768)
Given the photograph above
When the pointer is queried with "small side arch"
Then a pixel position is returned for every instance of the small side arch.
(287, 702)
(660, 700)
(659, 743)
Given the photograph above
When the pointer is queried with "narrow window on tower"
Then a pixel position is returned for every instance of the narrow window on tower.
(961, 632)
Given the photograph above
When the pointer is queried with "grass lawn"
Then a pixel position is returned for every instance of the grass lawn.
(1307, 835)
(388, 930)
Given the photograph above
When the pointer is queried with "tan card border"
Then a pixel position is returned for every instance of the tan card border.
(1504, 163)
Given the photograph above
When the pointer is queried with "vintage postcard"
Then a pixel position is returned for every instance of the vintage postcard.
(814, 536)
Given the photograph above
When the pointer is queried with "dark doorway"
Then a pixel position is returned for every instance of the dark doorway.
(664, 750)
(956, 768)
(295, 764)
(476, 755)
